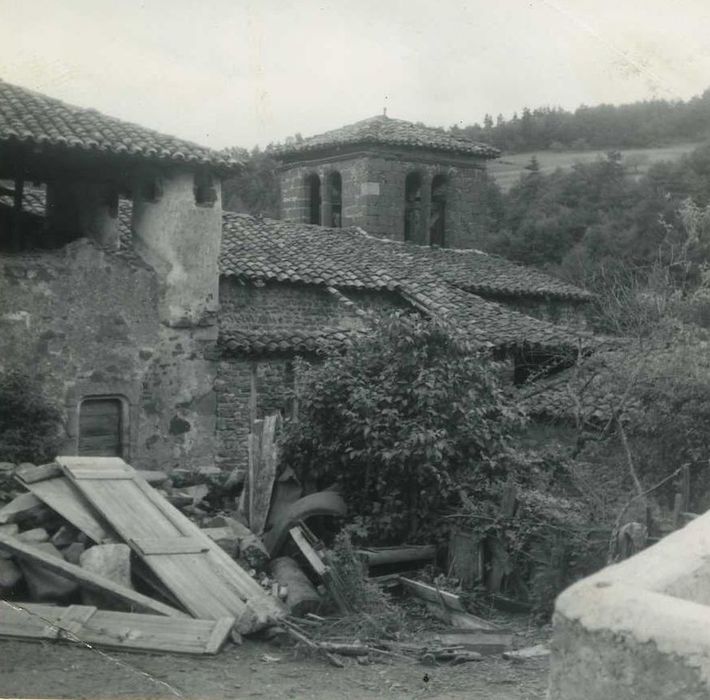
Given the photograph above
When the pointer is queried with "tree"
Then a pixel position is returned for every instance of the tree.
(401, 421)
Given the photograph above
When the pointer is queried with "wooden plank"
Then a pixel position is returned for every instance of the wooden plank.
(86, 578)
(222, 628)
(308, 552)
(264, 474)
(31, 474)
(455, 618)
(74, 617)
(208, 583)
(64, 498)
(20, 508)
(111, 474)
(15, 621)
(426, 592)
(482, 641)
(170, 545)
(114, 630)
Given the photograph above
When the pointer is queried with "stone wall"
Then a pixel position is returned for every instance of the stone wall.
(639, 629)
(281, 306)
(87, 323)
(251, 386)
(248, 389)
(373, 193)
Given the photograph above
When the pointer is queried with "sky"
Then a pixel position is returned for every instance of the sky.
(247, 72)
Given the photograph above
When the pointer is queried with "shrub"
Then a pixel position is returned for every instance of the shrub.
(30, 425)
(405, 418)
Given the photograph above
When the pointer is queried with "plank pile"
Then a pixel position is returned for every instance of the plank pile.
(128, 569)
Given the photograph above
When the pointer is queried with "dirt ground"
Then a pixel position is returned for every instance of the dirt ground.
(253, 670)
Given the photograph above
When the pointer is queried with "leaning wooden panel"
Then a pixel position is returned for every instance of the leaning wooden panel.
(64, 498)
(206, 581)
(87, 579)
(115, 630)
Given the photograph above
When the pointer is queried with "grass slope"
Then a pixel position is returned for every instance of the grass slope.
(508, 168)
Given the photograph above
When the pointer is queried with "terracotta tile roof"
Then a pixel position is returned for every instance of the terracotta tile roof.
(37, 120)
(491, 275)
(281, 341)
(267, 250)
(349, 257)
(385, 131)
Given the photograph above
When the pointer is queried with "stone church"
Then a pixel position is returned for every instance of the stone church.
(164, 325)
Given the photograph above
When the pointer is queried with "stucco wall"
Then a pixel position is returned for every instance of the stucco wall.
(181, 240)
(374, 193)
(87, 323)
(639, 629)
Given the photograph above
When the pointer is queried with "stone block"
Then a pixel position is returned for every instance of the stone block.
(34, 536)
(44, 585)
(113, 561)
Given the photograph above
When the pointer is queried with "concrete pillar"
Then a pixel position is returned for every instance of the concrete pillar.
(181, 240)
(83, 209)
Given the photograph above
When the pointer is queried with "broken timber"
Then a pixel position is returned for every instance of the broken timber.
(116, 630)
(63, 498)
(86, 578)
(447, 606)
(201, 576)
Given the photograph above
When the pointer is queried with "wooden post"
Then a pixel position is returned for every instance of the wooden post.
(253, 394)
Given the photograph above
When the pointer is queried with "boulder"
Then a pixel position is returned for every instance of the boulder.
(10, 575)
(113, 561)
(34, 536)
(44, 585)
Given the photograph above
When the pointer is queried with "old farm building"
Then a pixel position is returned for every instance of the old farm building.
(164, 324)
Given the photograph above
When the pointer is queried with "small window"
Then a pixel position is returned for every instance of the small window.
(101, 427)
(314, 199)
(205, 190)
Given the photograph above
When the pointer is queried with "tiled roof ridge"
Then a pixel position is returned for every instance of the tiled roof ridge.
(33, 117)
(385, 130)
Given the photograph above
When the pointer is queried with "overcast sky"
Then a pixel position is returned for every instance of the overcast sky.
(242, 72)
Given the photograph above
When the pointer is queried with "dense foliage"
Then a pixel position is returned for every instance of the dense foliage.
(30, 425)
(255, 189)
(401, 421)
(636, 125)
(598, 225)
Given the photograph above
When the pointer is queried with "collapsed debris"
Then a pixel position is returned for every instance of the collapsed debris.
(159, 563)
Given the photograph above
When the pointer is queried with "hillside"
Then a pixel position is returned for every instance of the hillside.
(507, 169)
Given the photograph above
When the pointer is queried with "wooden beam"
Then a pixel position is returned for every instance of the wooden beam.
(116, 630)
(87, 579)
(376, 556)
